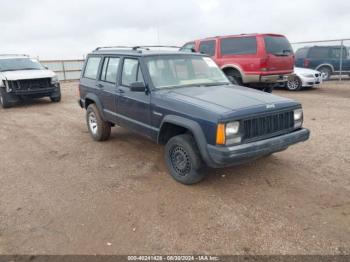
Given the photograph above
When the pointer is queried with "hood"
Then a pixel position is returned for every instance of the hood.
(299, 70)
(26, 74)
(227, 98)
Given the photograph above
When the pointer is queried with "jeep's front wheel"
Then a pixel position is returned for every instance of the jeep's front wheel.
(183, 160)
(100, 130)
(3, 99)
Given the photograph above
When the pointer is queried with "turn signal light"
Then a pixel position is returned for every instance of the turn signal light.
(220, 135)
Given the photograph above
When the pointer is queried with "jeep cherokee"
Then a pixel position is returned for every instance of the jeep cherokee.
(185, 102)
(22, 76)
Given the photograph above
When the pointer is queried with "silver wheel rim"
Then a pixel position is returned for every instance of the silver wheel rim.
(1, 101)
(293, 84)
(93, 123)
(324, 74)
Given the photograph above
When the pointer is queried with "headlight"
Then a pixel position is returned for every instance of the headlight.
(54, 80)
(228, 134)
(232, 128)
(298, 118)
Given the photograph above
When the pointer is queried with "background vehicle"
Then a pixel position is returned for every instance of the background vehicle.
(325, 59)
(303, 78)
(256, 60)
(184, 101)
(22, 76)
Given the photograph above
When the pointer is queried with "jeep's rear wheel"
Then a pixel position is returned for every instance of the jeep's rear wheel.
(100, 130)
(3, 99)
(183, 160)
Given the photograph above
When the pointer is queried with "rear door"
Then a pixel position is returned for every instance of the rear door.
(280, 57)
(133, 108)
(107, 83)
(208, 47)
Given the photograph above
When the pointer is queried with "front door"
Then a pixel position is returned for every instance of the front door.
(133, 108)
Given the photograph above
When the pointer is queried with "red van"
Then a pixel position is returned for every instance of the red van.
(256, 60)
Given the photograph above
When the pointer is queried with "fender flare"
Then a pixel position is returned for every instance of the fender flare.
(192, 126)
(97, 102)
(325, 65)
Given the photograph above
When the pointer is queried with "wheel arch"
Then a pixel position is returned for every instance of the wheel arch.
(325, 65)
(192, 127)
(93, 99)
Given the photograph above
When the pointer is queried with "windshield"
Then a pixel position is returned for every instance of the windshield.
(14, 64)
(180, 71)
(278, 45)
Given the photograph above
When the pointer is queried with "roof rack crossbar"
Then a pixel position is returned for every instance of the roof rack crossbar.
(14, 55)
(154, 46)
(111, 47)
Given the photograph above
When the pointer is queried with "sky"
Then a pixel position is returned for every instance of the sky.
(69, 29)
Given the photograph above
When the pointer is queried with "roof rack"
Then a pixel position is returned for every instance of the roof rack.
(14, 55)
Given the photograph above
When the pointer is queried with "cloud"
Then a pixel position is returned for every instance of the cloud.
(69, 29)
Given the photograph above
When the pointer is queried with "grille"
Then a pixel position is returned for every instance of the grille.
(266, 125)
(30, 84)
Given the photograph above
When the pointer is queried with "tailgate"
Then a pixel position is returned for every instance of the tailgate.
(280, 56)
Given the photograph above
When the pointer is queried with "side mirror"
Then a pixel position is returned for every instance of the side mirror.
(138, 87)
(46, 67)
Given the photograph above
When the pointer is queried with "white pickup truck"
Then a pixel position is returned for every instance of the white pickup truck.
(22, 76)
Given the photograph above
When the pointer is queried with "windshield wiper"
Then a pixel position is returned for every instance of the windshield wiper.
(285, 52)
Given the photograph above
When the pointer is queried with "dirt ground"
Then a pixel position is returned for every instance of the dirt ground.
(62, 193)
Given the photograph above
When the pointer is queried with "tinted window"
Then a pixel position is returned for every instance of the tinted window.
(207, 47)
(277, 45)
(238, 46)
(110, 69)
(319, 52)
(131, 72)
(301, 53)
(188, 47)
(91, 68)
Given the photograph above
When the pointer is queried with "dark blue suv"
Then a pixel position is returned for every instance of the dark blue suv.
(185, 102)
(325, 59)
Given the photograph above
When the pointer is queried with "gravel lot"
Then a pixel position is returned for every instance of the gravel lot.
(62, 193)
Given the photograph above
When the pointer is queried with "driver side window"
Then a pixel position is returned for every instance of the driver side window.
(131, 72)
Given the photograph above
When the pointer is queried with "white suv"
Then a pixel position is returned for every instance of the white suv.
(22, 76)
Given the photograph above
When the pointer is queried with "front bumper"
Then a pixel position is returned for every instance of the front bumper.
(310, 81)
(235, 155)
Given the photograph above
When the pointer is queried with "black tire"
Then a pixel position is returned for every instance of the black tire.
(183, 159)
(55, 99)
(294, 84)
(102, 130)
(234, 77)
(3, 99)
(326, 72)
(268, 89)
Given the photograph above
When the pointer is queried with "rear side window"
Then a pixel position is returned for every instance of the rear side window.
(208, 47)
(238, 46)
(110, 69)
(336, 53)
(301, 53)
(277, 45)
(319, 52)
(91, 68)
(131, 72)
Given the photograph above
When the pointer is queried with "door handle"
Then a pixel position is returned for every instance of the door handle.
(99, 85)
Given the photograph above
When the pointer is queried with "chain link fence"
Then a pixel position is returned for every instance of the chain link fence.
(65, 69)
(330, 57)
